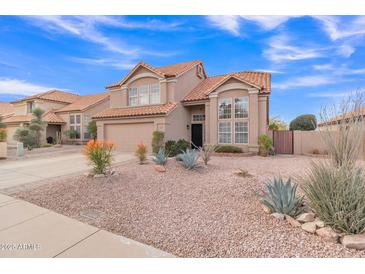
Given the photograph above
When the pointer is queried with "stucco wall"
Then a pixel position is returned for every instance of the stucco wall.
(185, 83)
(176, 124)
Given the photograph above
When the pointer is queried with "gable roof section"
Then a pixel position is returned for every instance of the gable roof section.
(173, 70)
(50, 117)
(150, 110)
(6, 109)
(53, 95)
(262, 80)
(85, 102)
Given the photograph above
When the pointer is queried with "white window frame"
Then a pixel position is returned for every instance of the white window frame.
(247, 105)
(225, 132)
(149, 95)
(219, 106)
(243, 132)
(74, 125)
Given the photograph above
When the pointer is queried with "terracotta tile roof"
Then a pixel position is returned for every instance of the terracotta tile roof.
(6, 109)
(85, 102)
(54, 95)
(49, 117)
(52, 118)
(135, 111)
(164, 71)
(260, 79)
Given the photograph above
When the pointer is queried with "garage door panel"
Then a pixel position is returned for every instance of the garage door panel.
(127, 136)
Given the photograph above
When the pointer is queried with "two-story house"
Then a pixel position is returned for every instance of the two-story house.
(183, 102)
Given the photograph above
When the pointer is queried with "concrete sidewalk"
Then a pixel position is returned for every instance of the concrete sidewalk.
(27, 230)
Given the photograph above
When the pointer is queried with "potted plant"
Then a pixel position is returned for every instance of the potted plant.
(3, 144)
(265, 143)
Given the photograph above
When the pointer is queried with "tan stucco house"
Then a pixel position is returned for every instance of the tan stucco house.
(6, 110)
(183, 102)
(63, 111)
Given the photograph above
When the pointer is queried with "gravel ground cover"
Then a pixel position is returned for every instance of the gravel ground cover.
(209, 212)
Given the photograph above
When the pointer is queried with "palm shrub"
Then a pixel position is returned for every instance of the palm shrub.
(189, 158)
(281, 197)
(157, 141)
(37, 125)
(160, 158)
(206, 151)
(265, 143)
(99, 154)
(141, 152)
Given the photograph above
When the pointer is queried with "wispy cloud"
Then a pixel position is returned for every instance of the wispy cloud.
(267, 22)
(20, 87)
(280, 49)
(228, 23)
(328, 94)
(109, 62)
(303, 81)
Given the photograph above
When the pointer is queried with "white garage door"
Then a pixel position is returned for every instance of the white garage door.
(127, 136)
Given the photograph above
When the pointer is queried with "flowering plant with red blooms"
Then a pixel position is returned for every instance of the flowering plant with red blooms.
(141, 152)
(3, 134)
(99, 154)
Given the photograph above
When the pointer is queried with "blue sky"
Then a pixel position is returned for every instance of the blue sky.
(313, 60)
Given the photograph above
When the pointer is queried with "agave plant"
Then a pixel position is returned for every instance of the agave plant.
(160, 158)
(188, 158)
(281, 197)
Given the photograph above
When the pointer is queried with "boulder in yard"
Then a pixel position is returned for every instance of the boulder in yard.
(328, 234)
(160, 168)
(319, 223)
(292, 221)
(278, 216)
(306, 217)
(354, 241)
(309, 227)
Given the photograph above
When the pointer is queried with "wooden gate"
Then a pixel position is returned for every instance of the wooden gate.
(283, 141)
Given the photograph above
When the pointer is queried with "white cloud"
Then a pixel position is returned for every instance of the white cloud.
(229, 23)
(328, 94)
(303, 81)
(323, 67)
(110, 62)
(345, 50)
(267, 22)
(20, 87)
(280, 49)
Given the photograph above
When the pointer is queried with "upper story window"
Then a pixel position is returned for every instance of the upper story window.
(241, 107)
(30, 106)
(225, 108)
(144, 95)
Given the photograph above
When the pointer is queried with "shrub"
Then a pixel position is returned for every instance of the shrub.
(160, 158)
(72, 134)
(2, 125)
(205, 152)
(277, 124)
(157, 141)
(46, 145)
(25, 136)
(37, 125)
(337, 195)
(99, 154)
(265, 143)
(281, 197)
(3, 135)
(182, 145)
(304, 122)
(141, 152)
(173, 148)
(228, 149)
(189, 158)
(92, 129)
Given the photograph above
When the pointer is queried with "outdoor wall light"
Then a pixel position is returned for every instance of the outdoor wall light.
(187, 127)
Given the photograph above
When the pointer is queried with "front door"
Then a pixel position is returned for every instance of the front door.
(197, 135)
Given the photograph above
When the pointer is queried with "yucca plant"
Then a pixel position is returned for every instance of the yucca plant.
(281, 197)
(160, 158)
(188, 158)
(206, 152)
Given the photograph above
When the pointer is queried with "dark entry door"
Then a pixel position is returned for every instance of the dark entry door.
(197, 135)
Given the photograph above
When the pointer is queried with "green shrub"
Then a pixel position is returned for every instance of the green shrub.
(25, 136)
(92, 129)
(3, 134)
(281, 197)
(189, 158)
(182, 145)
(304, 122)
(228, 149)
(37, 125)
(157, 141)
(265, 143)
(46, 145)
(2, 125)
(72, 134)
(337, 195)
(160, 158)
(173, 148)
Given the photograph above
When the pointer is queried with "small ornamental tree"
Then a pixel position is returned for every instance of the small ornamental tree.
(92, 129)
(304, 122)
(37, 125)
(277, 124)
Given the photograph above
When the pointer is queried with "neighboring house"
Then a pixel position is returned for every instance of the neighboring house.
(6, 110)
(78, 114)
(334, 123)
(183, 102)
(48, 101)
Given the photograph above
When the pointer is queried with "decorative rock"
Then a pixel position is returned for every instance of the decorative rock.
(99, 176)
(328, 234)
(292, 221)
(319, 223)
(354, 241)
(306, 217)
(160, 168)
(278, 216)
(309, 227)
(266, 209)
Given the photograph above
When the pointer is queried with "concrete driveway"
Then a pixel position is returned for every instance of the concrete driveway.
(31, 170)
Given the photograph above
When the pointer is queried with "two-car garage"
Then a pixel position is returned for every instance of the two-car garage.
(127, 136)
